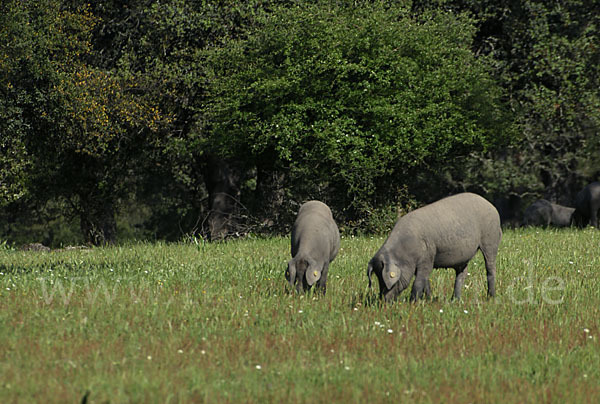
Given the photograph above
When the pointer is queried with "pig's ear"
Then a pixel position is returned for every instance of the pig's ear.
(390, 275)
(313, 273)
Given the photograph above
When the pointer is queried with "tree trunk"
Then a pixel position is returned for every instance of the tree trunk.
(98, 224)
(271, 194)
(222, 183)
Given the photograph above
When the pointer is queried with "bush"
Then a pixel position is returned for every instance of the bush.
(353, 100)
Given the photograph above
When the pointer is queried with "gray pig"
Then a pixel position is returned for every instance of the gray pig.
(587, 203)
(546, 213)
(444, 234)
(315, 243)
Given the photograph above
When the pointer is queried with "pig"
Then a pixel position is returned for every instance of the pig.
(587, 204)
(444, 234)
(315, 243)
(546, 213)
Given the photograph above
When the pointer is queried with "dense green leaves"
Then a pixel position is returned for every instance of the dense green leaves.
(71, 128)
(547, 58)
(561, 94)
(353, 95)
(365, 104)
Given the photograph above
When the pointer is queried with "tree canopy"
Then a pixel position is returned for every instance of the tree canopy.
(159, 119)
(353, 100)
(70, 128)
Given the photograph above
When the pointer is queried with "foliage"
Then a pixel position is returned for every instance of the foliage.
(77, 127)
(352, 98)
(116, 109)
(558, 91)
(547, 59)
(211, 322)
(24, 222)
(157, 46)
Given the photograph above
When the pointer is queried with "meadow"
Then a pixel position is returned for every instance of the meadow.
(215, 323)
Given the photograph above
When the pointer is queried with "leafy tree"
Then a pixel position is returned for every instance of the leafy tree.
(78, 127)
(557, 88)
(547, 58)
(160, 46)
(198, 110)
(349, 102)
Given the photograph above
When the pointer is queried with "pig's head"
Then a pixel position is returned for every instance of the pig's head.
(393, 277)
(303, 273)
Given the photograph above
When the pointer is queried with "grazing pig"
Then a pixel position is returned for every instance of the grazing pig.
(315, 243)
(444, 234)
(587, 203)
(546, 213)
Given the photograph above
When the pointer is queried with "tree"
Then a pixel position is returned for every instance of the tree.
(160, 46)
(547, 59)
(78, 127)
(349, 102)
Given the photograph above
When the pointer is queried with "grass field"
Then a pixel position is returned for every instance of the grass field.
(213, 323)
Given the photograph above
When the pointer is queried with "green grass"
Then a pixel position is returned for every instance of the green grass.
(214, 323)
